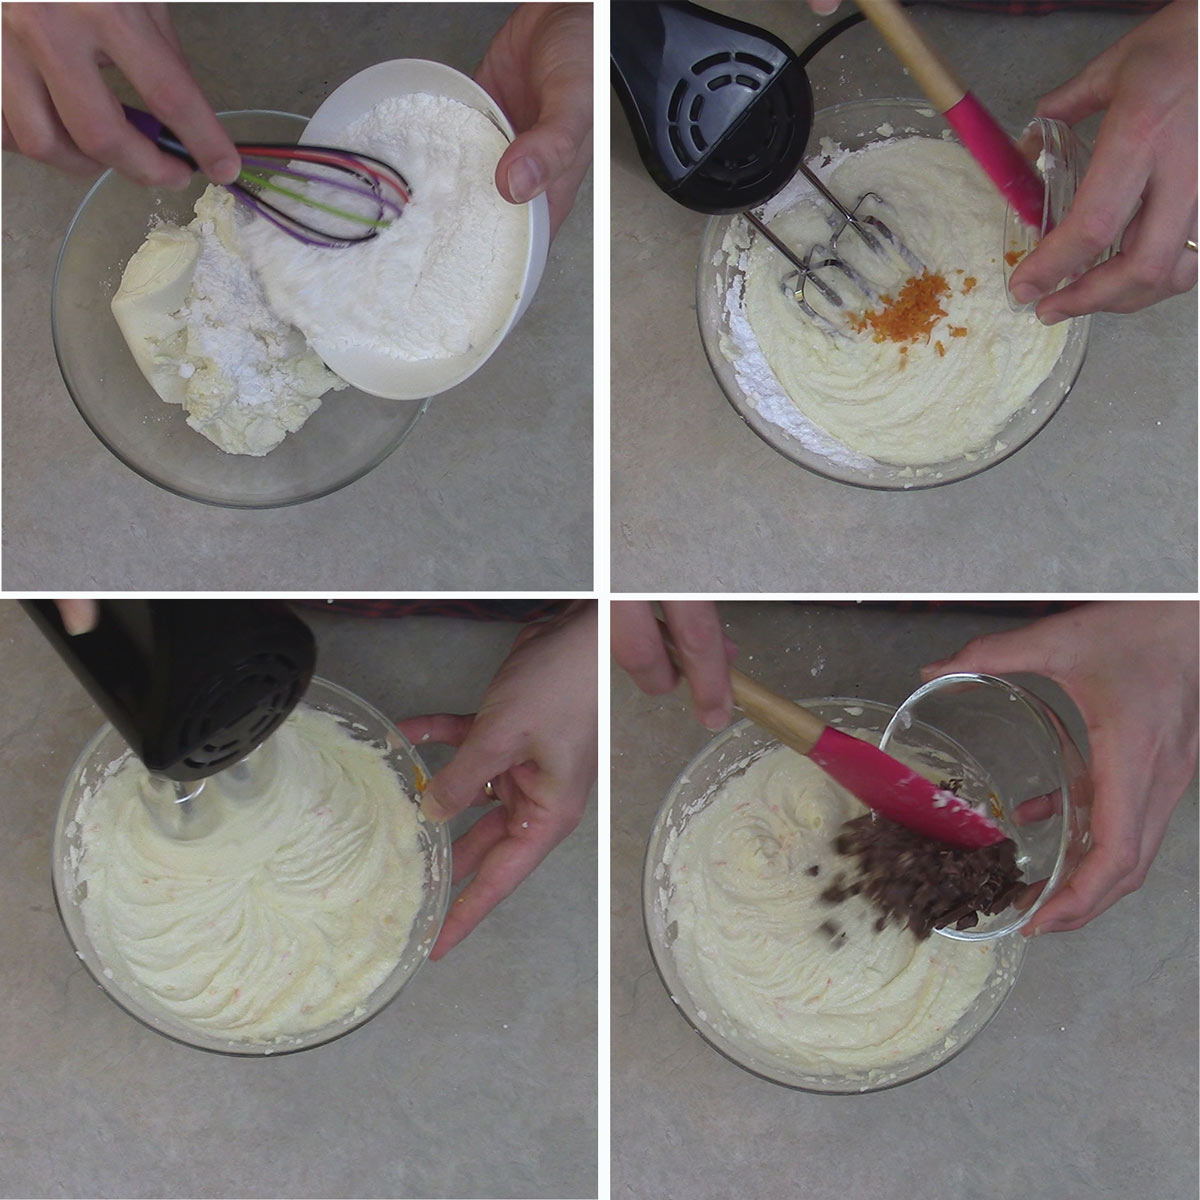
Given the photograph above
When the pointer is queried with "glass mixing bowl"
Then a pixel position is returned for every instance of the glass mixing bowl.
(728, 755)
(856, 124)
(104, 754)
(1061, 158)
(1017, 761)
(350, 433)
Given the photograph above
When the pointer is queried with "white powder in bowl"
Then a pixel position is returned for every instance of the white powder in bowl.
(441, 279)
(198, 324)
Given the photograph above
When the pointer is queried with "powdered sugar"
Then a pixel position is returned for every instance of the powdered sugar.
(444, 276)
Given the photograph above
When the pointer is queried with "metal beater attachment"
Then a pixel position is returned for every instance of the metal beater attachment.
(875, 235)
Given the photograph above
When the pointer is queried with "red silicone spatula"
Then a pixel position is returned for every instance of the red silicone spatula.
(988, 144)
(876, 778)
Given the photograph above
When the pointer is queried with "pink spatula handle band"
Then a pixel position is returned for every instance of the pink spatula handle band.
(998, 155)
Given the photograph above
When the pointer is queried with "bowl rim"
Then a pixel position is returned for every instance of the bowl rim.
(383, 451)
(657, 951)
(233, 1049)
(811, 460)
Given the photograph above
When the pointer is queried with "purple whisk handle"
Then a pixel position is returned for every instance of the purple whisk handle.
(151, 127)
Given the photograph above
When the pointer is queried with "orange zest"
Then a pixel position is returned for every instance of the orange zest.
(911, 315)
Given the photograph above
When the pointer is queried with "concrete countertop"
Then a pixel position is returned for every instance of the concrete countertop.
(492, 490)
(478, 1080)
(1084, 1085)
(1104, 498)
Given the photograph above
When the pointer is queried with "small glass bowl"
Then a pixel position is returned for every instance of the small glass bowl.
(104, 754)
(351, 433)
(1018, 763)
(855, 124)
(729, 754)
(1061, 157)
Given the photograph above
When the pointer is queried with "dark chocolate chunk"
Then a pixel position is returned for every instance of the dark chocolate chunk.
(921, 883)
(814, 870)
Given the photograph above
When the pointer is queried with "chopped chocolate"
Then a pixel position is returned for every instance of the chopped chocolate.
(836, 892)
(922, 883)
(814, 870)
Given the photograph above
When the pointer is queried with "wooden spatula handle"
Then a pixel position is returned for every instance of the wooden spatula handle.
(933, 76)
(792, 725)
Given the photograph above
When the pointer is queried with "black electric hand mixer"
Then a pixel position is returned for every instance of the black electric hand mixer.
(195, 687)
(721, 112)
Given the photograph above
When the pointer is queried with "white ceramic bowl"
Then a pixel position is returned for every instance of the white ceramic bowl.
(374, 371)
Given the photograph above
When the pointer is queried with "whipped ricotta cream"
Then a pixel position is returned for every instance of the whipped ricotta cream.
(197, 321)
(853, 398)
(776, 969)
(285, 917)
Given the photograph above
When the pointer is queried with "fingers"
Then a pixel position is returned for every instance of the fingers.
(1037, 808)
(60, 111)
(161, 76)
(638, 647)
(482, 756)
(31, 125)
(561, 136)
(997, 654)
(700, 644)
(78, 616)
(1115, 864)
(505, 860)
(1084, 94)
(448, 729)
(1107, 198)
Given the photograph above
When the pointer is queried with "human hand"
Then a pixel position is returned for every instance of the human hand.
(1145, 155)
(539, 70)
(534, 740)
(1131, 669)
(78, 616)
(703, 649)
(58, 109)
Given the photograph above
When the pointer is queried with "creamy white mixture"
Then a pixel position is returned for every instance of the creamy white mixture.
(750, 945)
(286, 917)
(197, 321)
(853, 398)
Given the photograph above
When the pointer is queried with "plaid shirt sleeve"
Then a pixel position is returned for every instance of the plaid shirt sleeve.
(477, 610)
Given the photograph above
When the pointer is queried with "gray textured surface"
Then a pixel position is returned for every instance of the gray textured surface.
(1083, 1087)
(479, 1080)
(493, 489)
(1103, 499)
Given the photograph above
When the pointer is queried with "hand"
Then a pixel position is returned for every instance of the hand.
(539, 70)
(534, 740)
(78, 616)
(1131, 669)
(703, 649)
(1145, 155)
(58, 109)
